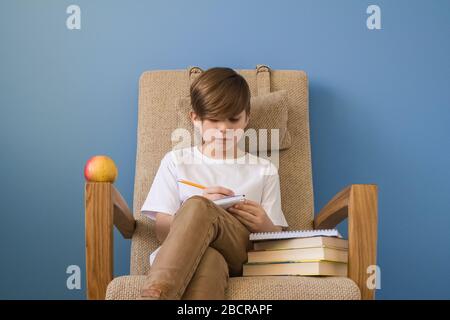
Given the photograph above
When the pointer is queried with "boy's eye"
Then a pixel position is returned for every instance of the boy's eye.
(232, 120)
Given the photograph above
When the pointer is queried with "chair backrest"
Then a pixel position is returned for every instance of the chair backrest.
(157, 119)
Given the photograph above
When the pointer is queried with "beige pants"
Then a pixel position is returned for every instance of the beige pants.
(206, 244)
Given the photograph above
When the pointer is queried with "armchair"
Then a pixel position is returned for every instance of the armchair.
(105, 207)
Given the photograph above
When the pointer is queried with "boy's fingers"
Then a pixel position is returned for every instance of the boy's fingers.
(219, 189)
(245, 215)
(215, 196)
(246, 207)
(251, 202)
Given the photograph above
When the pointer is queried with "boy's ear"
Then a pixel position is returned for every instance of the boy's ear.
(192, 115)
(194, 118)
(247, 120)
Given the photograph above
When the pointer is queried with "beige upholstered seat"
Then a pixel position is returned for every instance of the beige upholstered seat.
(156, 121)
(258, 288)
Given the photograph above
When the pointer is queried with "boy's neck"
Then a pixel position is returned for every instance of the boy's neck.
(210, 151)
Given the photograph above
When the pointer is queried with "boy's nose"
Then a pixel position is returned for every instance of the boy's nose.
(222, 128)
(225, 131)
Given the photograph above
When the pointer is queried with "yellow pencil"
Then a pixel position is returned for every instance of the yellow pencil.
(192, 184)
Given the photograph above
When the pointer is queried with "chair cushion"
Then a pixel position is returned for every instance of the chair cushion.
(258, 288)
(268, 111)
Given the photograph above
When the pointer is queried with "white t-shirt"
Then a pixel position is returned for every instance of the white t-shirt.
(255, 177)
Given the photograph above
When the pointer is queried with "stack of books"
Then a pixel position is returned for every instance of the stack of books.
(306, 253)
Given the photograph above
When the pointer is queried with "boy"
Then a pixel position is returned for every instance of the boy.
(203, 244)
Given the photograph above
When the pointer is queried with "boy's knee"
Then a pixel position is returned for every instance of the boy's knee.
(198, 205)
(198, 201)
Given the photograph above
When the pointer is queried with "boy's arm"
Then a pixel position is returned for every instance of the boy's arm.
(162, 226)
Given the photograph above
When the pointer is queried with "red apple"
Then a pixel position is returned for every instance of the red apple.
(100, 169)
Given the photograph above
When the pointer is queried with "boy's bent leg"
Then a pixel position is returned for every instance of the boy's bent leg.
(210, 280)
(199, 223)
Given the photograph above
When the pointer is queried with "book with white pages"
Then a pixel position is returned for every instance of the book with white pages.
(256, 236)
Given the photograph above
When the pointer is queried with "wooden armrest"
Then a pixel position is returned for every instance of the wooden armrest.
(104, 207)
(358, 203)
(123, 218)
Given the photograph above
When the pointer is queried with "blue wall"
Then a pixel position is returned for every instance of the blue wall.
(379, 114)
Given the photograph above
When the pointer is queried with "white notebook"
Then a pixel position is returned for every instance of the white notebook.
(294, 234)
(229, 201)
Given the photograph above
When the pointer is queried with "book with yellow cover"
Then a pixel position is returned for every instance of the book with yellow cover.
(297, 243)
(298, 255)
(313, 268)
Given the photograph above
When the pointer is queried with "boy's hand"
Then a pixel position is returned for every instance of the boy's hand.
(217, 192)
(253, 216)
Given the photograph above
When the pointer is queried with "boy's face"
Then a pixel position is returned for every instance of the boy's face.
(223, 133)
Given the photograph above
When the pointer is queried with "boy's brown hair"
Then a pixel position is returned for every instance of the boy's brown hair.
(220, 93)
